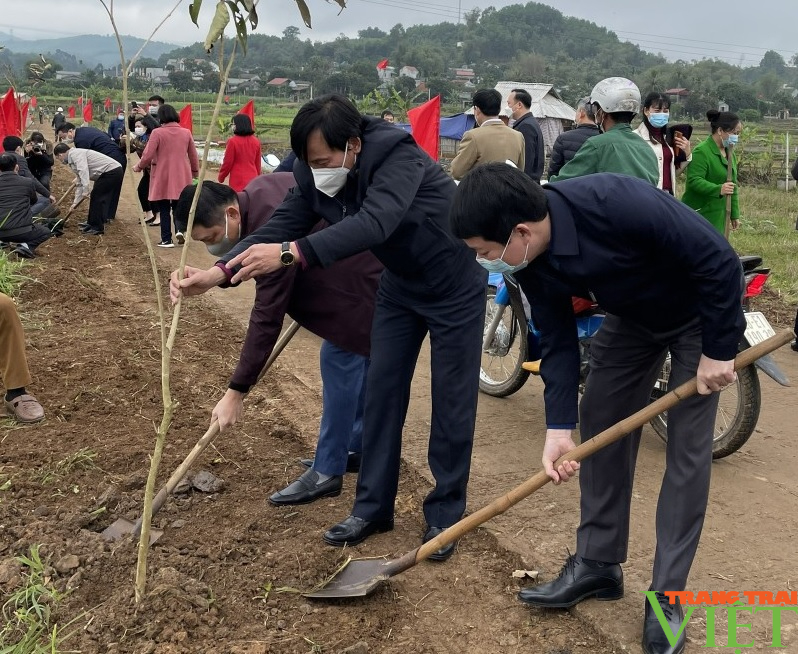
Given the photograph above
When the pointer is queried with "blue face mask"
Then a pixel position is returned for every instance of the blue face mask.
(731, 139)
(501, 266)
(659, 119)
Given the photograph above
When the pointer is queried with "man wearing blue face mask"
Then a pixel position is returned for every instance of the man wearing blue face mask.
(380, 192)
(336, 304)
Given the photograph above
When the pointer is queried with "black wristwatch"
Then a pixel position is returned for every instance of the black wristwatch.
(287, 257)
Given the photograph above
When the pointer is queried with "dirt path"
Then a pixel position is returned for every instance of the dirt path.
(218, 571)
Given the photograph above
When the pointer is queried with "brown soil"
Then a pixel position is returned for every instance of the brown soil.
(224, 575)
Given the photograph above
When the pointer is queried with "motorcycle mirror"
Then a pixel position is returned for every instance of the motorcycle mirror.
(272, 160)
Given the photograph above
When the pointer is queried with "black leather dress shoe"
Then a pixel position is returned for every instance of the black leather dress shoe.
(352, 462)
(655, 641)
(445, 552)
(306, 489)
(577, 581)
(355, 530)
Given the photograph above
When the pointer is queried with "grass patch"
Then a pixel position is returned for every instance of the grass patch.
(83, 459)
(28, 628)
(11, 277)
(767, 229)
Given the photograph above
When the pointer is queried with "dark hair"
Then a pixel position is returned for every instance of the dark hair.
(488, 101)
(148, 121)
(210, 207)
(387, 112)
(333, 115)
(167, 114)
(156, 98)
(492, 199)
(522, 95)
(656, 98)
(37, 137)
(60, 148)
(724, 120)
(11, 143)
(65, 127)
(242, 125)
(7, 162)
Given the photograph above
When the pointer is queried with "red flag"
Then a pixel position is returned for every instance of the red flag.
(382, 65)
(80, 101)
(10, 111)
(88, 113)
(187, 118)
(71, 111)
(107, 104)
(249, 110)
(33, 102)
(23, 112)
(426, 124)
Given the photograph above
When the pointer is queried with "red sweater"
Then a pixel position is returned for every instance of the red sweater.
(241, 161)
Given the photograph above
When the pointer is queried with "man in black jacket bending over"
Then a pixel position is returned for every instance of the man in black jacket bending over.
(17, 195)
(379, 191)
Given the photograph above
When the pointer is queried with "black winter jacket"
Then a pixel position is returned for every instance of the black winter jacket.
(567, 145)
(17, 194)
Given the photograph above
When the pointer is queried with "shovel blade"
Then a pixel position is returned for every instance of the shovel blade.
(122, 528)
(357, 579)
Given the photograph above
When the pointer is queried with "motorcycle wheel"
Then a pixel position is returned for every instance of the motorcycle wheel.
(738, 411)
(501, 373)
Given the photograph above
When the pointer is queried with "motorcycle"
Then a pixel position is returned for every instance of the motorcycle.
(506, 345)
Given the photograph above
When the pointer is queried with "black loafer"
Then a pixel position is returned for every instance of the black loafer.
(577, 581)
(355, 530)
(352, 462)
(307, 489)
(655, 641)
(445, 552)
(92, 232)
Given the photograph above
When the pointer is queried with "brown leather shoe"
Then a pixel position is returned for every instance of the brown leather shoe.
(24, 408)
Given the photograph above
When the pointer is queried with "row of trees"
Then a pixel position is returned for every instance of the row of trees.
(531, 42)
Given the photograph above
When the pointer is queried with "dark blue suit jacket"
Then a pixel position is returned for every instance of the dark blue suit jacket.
(643, 256)
(92, 138)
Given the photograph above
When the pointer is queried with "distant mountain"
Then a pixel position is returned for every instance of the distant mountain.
(90, 49)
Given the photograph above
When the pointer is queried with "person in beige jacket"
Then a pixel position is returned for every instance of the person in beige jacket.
(492, 141)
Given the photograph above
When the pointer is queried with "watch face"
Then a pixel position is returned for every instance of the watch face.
(287, 258)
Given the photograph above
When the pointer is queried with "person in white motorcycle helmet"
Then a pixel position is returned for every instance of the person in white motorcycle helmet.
(615, 102)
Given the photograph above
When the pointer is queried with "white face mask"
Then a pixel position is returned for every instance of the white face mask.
(120, 116)
(140, 131)
(331, 180)
(226, 244)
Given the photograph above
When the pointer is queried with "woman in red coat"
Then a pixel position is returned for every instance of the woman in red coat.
(172, 157)
(241, 155)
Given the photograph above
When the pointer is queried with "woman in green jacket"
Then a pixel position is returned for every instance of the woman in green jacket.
(706, 187)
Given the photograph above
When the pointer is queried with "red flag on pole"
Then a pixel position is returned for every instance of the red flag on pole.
(10, 111)
(249, 110)
(107, 104)
(382, 65)
(426, 123)
(80, 101)
(88, 113)
(23, 112)
(33, 102)
(187, 118)
(71, 111)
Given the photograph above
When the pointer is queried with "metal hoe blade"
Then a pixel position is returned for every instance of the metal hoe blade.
(122, 528)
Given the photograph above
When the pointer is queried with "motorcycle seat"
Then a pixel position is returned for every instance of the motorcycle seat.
(750, 262)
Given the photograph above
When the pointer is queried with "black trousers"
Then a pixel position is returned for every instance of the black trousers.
(34, 237)
(105, 198)
(402, 320)
(143, 190)
(624, 362)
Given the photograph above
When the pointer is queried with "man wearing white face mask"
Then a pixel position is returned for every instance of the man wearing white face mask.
(380, 192)
(117, 127)
(336, 304)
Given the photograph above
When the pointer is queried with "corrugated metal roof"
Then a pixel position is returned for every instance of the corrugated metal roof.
(546, 102)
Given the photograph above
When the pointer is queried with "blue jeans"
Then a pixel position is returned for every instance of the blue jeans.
(40, 205)
(343, 377)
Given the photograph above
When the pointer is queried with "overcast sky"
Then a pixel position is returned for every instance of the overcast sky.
(737, 31)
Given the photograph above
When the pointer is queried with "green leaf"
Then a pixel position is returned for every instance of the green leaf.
(341, 4)
(220, 20)
(305, 12)
(193, 11)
